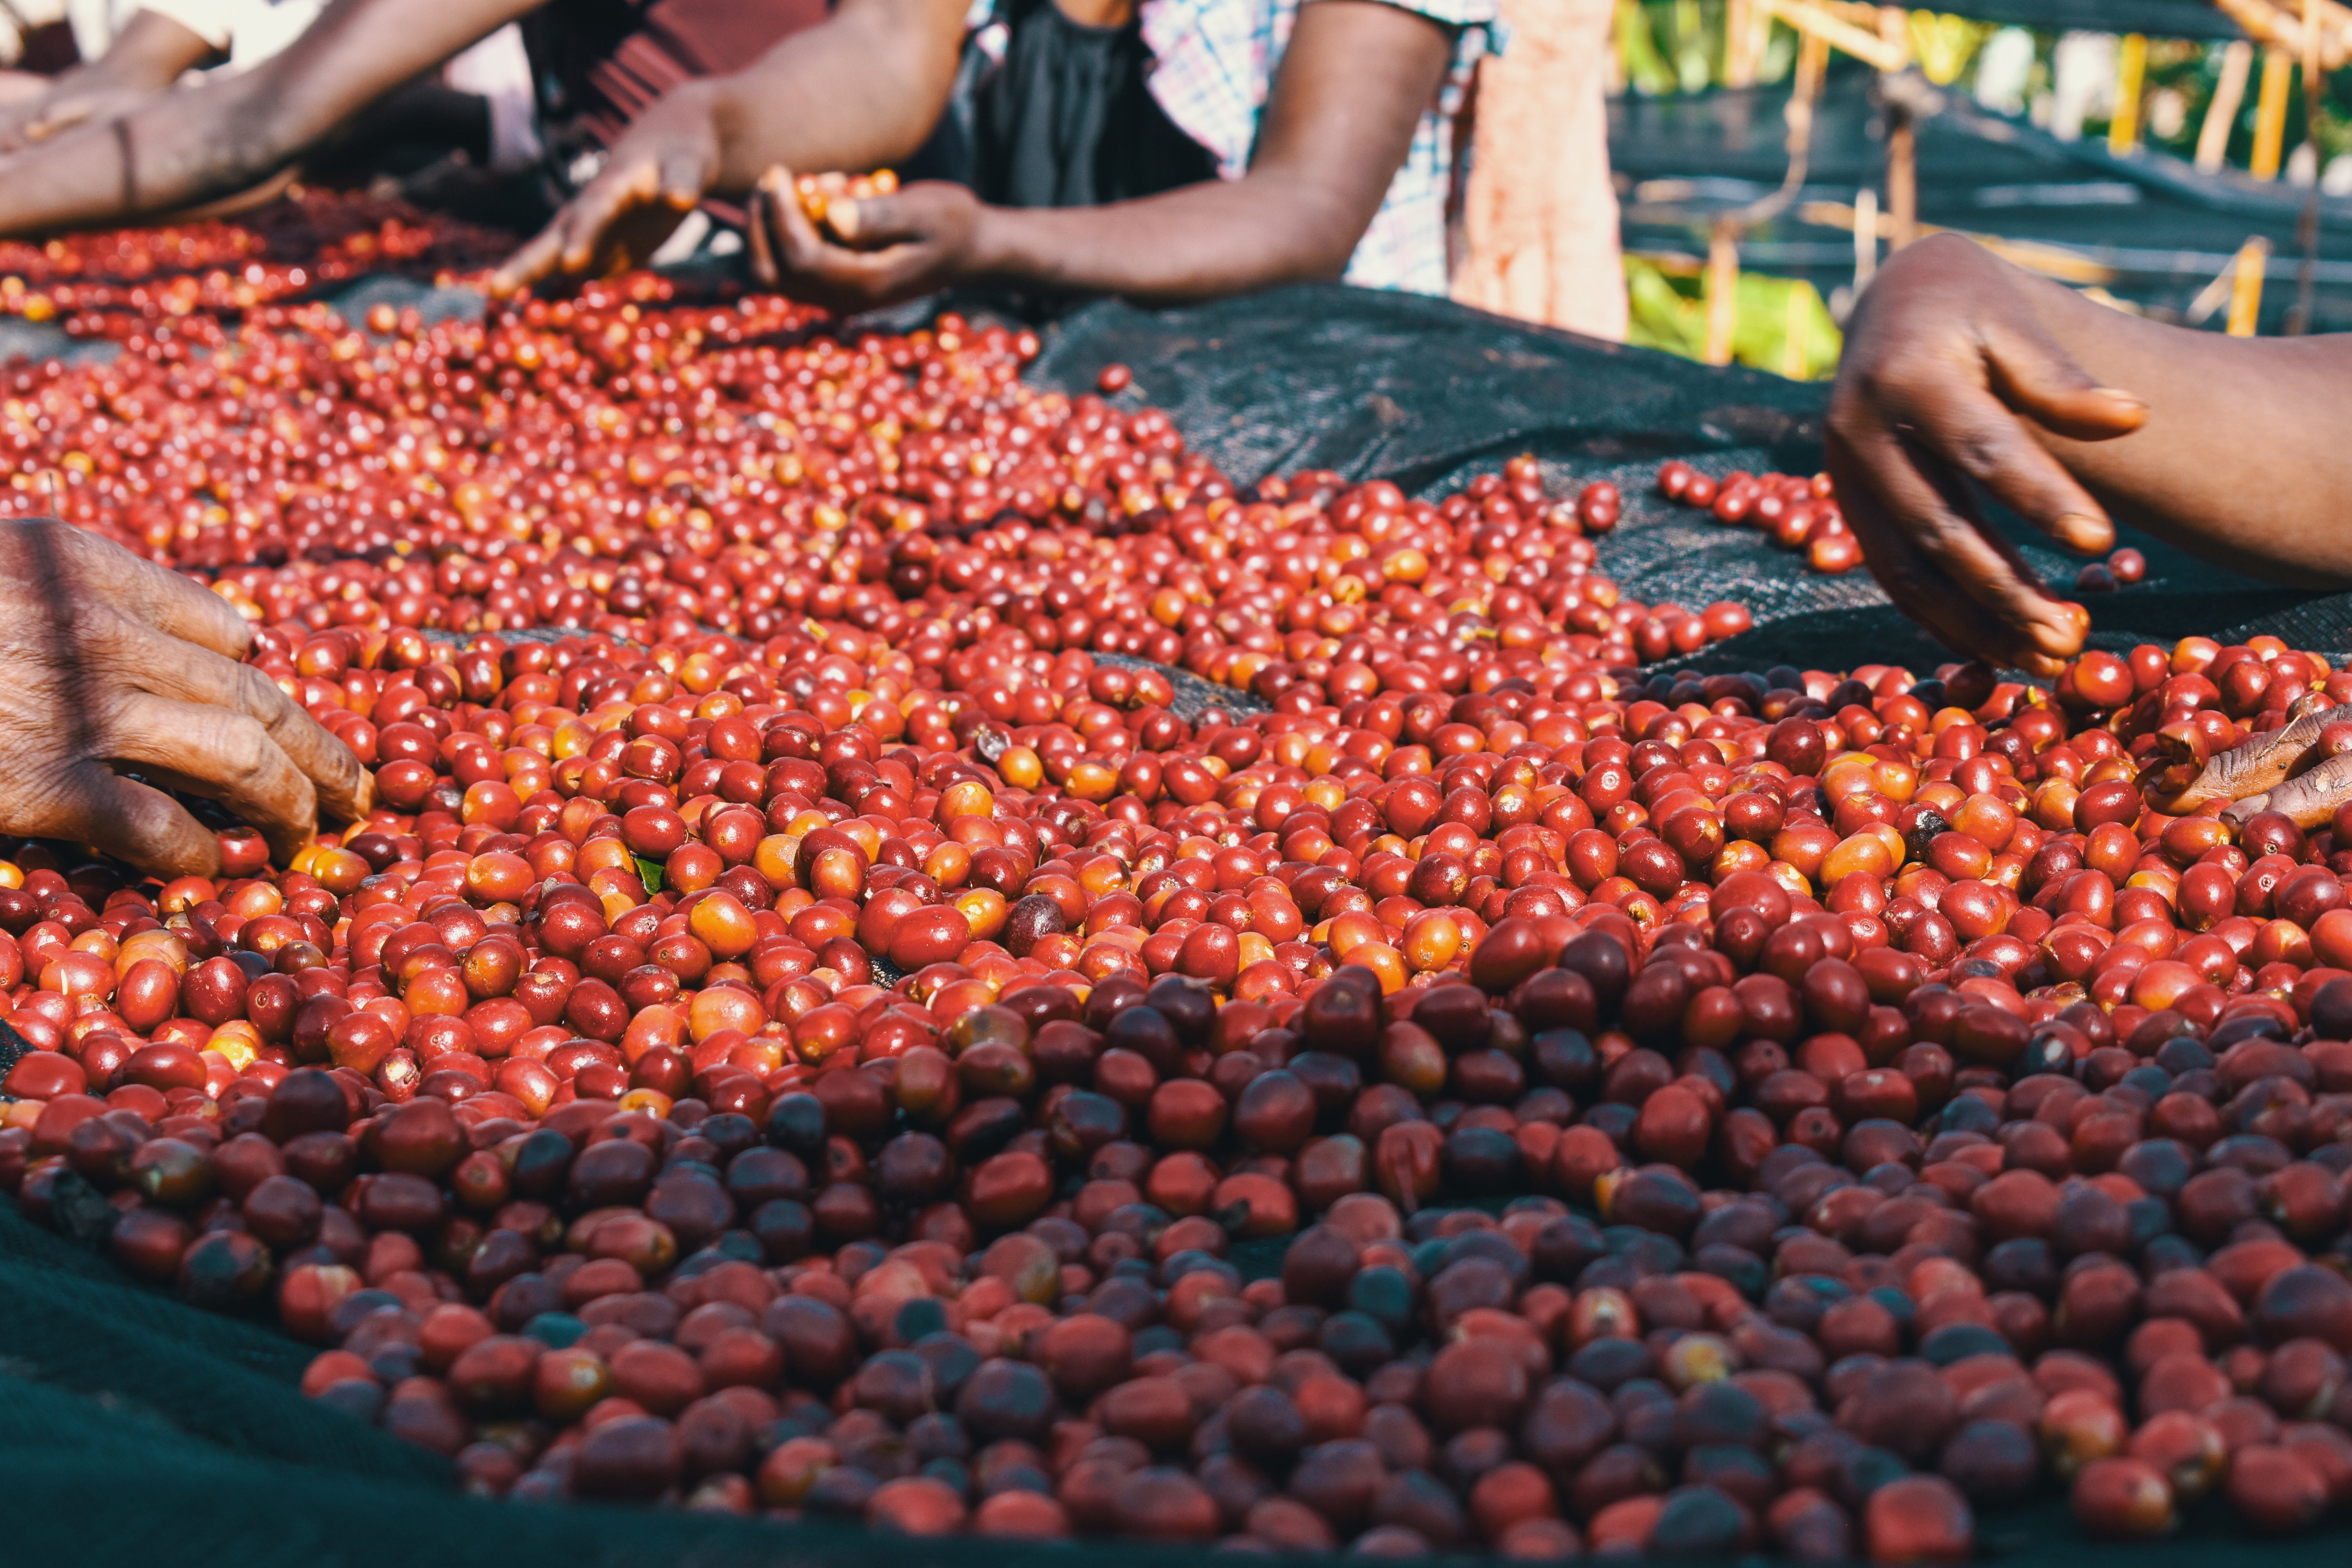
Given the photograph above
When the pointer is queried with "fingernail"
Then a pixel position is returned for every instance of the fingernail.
(2076, 532)
(842, 218)
(2120, 396)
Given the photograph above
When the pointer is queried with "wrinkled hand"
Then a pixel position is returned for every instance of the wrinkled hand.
(1947, 376)
(921, 237)
(111, 663)
(2302, 769)
(651, 180)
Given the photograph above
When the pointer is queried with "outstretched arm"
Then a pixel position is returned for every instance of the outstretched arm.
(146, 57)
(224, 137)
(860, 89)
(1962, 371)
(1351, 88)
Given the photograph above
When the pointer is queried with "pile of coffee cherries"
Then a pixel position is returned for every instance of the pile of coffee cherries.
(1794, 513)
(127, 280)
(1801, 514)
(818, 1022)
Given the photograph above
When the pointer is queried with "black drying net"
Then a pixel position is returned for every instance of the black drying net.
(137, 1431)
(1429, 394)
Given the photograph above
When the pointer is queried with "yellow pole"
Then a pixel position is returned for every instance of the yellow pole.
(1902, 179)
(1866, 238)
(2246, 290)
(2270, 114)
(2131, 72)
(2221, 114)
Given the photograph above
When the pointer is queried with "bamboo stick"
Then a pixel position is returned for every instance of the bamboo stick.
(1818, 21)
(1722, 293)
(2221, 114)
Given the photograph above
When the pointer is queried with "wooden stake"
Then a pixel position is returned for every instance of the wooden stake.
(2270, 114)
(1722, 293)
(2221, 114)
(1902, 177)
(2246, 290)
(1739, 61)
(1813, 20)
(2131, 74)
(1865, 239)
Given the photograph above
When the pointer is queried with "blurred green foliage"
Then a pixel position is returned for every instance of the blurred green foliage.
(1669, 311)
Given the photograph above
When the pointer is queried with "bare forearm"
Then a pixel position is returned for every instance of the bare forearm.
(860, 90)
(2243, 460)
(223, 137)
(1200, 242)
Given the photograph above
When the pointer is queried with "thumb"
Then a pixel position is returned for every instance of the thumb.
(681, 178)
(2041, 380)
(874, 220)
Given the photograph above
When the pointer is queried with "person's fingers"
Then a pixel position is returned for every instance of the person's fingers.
(221, 754)
(1973, 431)
(130, 821)
(1930, 509)
(683, 176)
(1924, 594)
(175, 605)
(1917, 585)
(601, 205)
(905, 216)
(2033, 375)
(2310, 799)
(344, 787)
(799, 246)
(569, 243)
(68, 567)
(757, 216)
(534, 261)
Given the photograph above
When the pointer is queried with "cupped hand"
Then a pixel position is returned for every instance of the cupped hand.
(651, 180)
(111, 666)
(879, 249)
(1948, 380)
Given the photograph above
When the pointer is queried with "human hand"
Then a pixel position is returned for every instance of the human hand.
(37, 119)
(651, 180)
(2301, 770)
(1948, 377)
(108, 662)
(918, 238)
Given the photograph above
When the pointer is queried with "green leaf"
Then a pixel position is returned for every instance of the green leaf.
(650, 873)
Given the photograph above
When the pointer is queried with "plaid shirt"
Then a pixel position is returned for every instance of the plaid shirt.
(1213, 66)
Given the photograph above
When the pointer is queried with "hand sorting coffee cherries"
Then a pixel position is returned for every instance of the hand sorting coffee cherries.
(1901, 1094)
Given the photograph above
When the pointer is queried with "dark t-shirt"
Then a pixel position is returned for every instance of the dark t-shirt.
(1065, 118)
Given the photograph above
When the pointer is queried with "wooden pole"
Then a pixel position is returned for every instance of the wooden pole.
(2270, 114)
(2246, 290)
(1902, 176)
(2131, 74)
(1865, 239)
(2221, 114)
(1738, 58)
(1722, 291)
